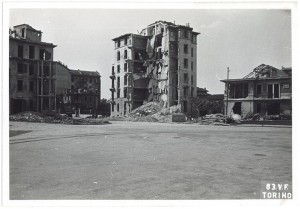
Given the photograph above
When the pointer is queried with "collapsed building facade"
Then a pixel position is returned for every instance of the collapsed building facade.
(37, 83)
(159, 64)
(266, 90)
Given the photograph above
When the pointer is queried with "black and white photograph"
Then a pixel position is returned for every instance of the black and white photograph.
(151, 101)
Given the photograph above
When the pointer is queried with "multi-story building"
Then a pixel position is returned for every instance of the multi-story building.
(31, 72)
(158, 64)
(266, 90)
(85, 92)
(37, 83)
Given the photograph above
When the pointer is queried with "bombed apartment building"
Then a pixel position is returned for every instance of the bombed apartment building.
(31, 72)
(37, 83)
(77, 91)
(158, 64)
(266, 90)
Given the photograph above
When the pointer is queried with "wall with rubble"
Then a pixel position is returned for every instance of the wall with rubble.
(154, 73)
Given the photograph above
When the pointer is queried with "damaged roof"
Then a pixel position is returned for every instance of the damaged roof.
(265, 72)
(27, 27)
(161, 21)
(85, 73)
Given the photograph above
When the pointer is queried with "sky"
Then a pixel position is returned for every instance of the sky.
(238, 39)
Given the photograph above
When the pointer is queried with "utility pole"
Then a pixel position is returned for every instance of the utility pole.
(227, 94)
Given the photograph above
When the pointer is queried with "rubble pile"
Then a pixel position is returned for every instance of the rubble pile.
(153, 112)
(147, 109)
(28, 117)
(212, 118)
(219, 119)
(54, 118)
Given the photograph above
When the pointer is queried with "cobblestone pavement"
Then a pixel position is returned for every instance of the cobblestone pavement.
(127, 160)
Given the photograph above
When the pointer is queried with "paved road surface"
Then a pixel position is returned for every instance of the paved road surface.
(127, 160)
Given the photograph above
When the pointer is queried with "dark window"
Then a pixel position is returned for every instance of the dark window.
(20, 51)
(125, 67)
(175, 79)
(192, 52)
(118, 82)
(118, 93)
(185, 91)
(192, 80)
(270, 90)
(258, 108)
(192, 66)
(46, 71)
(125, 92)
(258, 89)
(113, 70)
(118, 107)
(119, 43)
(31, 52)
(125, 54)
(276, 90)
(125, 80)
(45, 55)
(186, 80)
(118, 56)
(20, 85)
(237, 108)
(125, 41)
(31, 69)
(72, 78)
(185, 49)
(186, 34)
(185, 63)
(20, 67)
(31, 85)
(23, 32)
(118, 69)
(192, 92)
(112, 107)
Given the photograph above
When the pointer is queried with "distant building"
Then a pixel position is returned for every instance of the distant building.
(158, 64)
(266, 90)
(202, 93)
(37, 83)
(209, 103)
(85, 92)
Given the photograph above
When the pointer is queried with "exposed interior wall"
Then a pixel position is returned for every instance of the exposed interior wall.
(153, 68)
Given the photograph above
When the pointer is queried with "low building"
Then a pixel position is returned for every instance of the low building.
(266, 90)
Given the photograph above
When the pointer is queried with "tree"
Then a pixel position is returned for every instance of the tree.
(104, 108)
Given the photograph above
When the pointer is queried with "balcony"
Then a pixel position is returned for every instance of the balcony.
(112, 89)
(112, 76)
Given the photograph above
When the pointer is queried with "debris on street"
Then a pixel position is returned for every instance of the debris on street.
(54, 118)
(153, 112)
